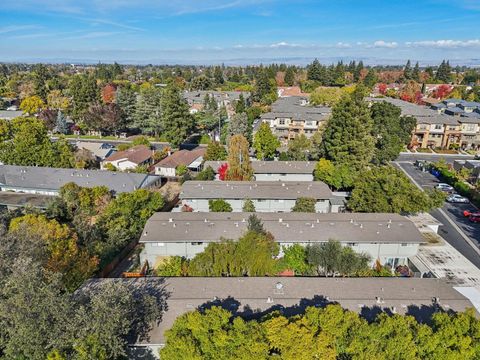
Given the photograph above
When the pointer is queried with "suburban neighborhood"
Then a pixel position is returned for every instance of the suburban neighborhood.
(189, 180)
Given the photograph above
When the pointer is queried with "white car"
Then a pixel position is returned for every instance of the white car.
(444, 187)
(455, 198)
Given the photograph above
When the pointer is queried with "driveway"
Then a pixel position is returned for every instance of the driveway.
(451, 216)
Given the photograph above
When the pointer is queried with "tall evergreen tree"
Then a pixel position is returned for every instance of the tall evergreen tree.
(240, 106)
(444, 72)
(265, 142)
(218, 75)
(177, 121)
(348, 135)
(61, 123)
(407, 70)
(416, 72)
(126, 100)
(289, 76)
(358, 71)
(314, 71)
(148, 111)
(84, 92)
(239, 125)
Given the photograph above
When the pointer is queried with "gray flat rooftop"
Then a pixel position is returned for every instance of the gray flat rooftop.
(273, 167)
(423, 114)
(285, 227)
(282, 190)
(19, 199)
(251, 296)
(45, 178)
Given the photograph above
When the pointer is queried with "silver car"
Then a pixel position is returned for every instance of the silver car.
(455, 198)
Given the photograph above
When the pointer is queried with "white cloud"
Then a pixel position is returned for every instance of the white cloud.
(445, 44)
(16, 28)
(342, 45)
(283, 44)
(384, 44)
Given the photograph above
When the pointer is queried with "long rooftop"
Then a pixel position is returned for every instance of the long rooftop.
(272, 167)
(423, 114)
(250, 297)
(281, 190)
(285, 227)
(295, 107)
(46, 178)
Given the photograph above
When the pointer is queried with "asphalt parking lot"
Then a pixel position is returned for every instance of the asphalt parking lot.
(454, 213)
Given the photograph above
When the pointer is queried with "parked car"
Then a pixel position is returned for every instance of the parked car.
(474, 218)
(444, 187)
(455, 198)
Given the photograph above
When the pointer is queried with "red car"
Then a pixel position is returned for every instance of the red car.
(475, 218)
(468, 213)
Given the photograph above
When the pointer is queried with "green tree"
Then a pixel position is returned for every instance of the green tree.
(299, 148)
(239, 125)
(444, 72)
(416, 72)
(215, 152)
(391, 131)
(219, 205)
(181, 170)
(265, 142)
(295, 258)
(218, 75)
(304, 204)
(126, 99)
(347, 138)
(252, 255)
(29, 145)
(407, 71)
(371, 78)
(255, 224)
(336, 176)
(173, 266)
(177, 121)
(248, 206)
(240, 106)
(206, 174)
(326, 96)
(84, 91)
(201, 83)
(61, 126)
(239, 165)
(385, 189)
(290, 76)
(147, 115)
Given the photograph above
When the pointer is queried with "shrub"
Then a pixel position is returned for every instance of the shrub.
(219, 205)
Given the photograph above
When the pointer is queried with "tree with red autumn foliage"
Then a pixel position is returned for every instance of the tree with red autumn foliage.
(222, 171)
(442, 91)
(108, 93)
(382, 88)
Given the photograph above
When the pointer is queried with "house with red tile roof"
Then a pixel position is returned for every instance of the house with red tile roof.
(130, 159)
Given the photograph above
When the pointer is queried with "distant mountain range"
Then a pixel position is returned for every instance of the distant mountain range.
(247, 61)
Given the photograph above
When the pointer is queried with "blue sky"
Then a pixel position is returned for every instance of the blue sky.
(239, 31)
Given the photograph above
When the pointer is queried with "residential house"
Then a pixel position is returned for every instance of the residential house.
(48, 181)
(292, 116)
(130, 159)
(275, 170)
(253, 297)
(99, 150)
(390, 238)
(192, 159)
(196, 99)
(267, 196)
(470, 128)
(432, 129)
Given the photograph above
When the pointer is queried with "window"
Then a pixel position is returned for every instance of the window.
(281, 121)
(197, 243)
(438, 127)
(158, 244)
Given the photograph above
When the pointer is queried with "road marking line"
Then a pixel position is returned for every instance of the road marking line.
(455, 226)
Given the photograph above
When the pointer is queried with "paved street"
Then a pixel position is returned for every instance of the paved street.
(454, 212)
(432, 157)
